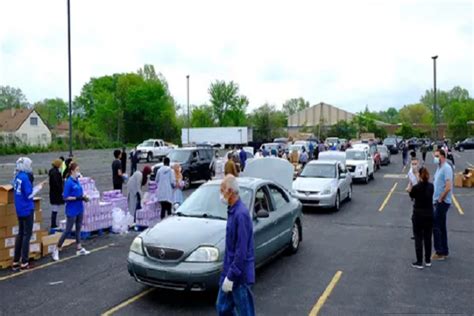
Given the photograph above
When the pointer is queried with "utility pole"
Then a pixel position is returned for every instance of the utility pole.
(189, 120)
(69, 66)
(435, 105)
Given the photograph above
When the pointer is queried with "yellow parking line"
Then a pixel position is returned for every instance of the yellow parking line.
(14, 275)
(322, 299)
(388, 197)
(458, 206)
(127, 302)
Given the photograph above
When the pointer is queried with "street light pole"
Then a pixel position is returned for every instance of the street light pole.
(69, 65)
(435, 106)
(189, 121)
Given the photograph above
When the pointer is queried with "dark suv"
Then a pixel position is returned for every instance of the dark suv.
(195, 163)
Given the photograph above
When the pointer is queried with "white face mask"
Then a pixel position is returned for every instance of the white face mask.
(223, 200)
(436, 160)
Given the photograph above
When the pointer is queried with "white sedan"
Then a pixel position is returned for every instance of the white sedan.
(323, 184)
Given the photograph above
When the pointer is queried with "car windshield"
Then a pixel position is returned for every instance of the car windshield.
(296, 147)
(355, 155)
(319, 171)
(179, 156)
(390, 141)
(148, 143)
(382, 149)
(205, 202)
(332, 140)
(329, 156)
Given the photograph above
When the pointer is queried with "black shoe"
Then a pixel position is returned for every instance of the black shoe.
(15, 266)
(417, 265)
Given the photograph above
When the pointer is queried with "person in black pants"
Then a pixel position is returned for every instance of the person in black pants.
(123, 159)
(55, 191)
(117, 172)
(422, 219)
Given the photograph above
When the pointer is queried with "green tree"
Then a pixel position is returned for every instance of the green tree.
(406, 130)
(11, 97)
(267, 123)
(391, 116)
(416, 114)
(227, 104)
(201, 116)
(294, 105)
(457, 115)
(52, 111)
(343, 129)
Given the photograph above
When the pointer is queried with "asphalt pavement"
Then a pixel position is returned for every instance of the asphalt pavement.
(353, 262)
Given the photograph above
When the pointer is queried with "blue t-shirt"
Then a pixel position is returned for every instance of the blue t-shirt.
(73, 188)
(23, 189)
(443, 174)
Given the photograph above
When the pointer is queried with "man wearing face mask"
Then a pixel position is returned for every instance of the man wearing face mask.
(442, 196)
(235, 295)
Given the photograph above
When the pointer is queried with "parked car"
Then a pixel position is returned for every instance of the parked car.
(385, 155)
(323, 184)
(344, 143)
(360, 164)
(273, 146)
(412, 143)
(375, 156)
(338, 156)
(468, 143)
(154, 148)
(186, 250)
(195, 163)
(333, 143)
(392, 145)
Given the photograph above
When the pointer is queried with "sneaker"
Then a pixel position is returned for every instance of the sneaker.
(15, 266)
(428, 264)
(25, 266)
(82, 252)
(438, 257)
(55, 254)
(417, 265)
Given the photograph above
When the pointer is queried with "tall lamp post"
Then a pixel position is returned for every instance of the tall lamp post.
(69, 66)
(435, 105)
(189, 120)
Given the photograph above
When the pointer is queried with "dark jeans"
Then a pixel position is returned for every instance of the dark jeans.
(440, 232)
(22, 242)
(77, 220)
(238, 302)
(423, 230)
(424, 156)
(133, 169)
(118, 186)
(165, 209)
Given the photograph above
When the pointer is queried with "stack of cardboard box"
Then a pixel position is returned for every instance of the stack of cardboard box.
(9, 228)
(464, 179)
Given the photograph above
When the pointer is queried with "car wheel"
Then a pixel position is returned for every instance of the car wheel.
(372, 176)
(337, 203)
(461, 148)
(149, 157)
(366, 180)
(187, 181)
(295, 238)
(349, 194)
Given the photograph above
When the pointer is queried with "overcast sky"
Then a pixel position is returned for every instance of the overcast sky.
(346, 53)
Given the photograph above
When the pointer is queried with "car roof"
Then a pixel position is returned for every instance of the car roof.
(323, 162)
(193, 148)
(357, 149)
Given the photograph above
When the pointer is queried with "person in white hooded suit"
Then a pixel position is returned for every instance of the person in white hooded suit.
(166, 181)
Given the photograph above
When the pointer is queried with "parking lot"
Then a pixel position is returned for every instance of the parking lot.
(353, 262)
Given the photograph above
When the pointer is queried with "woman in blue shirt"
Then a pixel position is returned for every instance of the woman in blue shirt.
(24, 193)
(74, 198)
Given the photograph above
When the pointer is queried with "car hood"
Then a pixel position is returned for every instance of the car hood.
(355, 162)
(185, 233)
(274, 169)
(312, 184)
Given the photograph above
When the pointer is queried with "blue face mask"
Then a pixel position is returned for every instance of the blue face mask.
(436, 160)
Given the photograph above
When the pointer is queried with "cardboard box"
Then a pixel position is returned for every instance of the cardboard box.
(9, 242)
(8, 221)
(6, 194)
(49, 242)
(38, 217)
(458, 180)
(7, 254)
(3, 232)
(37, 202)
(11, 209)
(14, 230)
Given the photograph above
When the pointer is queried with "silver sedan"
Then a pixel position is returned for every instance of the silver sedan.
(323, 184)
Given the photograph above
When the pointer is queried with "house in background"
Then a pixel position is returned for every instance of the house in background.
(61, 130)
(23, 126)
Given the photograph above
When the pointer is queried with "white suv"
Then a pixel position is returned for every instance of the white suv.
(153, 148)
(360, 164)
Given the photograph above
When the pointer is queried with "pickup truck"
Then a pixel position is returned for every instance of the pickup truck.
(154, 148)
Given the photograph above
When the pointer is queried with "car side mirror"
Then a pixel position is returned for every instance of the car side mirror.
(194, 160)
(263, 214)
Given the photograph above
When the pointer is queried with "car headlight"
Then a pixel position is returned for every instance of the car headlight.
(360, 167)
(326, 191)
(204, 254)
(137, 246)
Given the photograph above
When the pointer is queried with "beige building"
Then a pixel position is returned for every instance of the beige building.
(320, 114)
(23, 126)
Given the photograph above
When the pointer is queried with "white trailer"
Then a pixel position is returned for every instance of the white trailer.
(217, 135)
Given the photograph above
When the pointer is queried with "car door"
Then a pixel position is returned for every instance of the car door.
(194, 165)
(203, 164)
(282, 216)
(342, 182)
(263, 227)
(370, 162)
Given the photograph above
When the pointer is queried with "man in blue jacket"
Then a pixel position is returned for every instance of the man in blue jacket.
(243, 158)
(235, 295)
